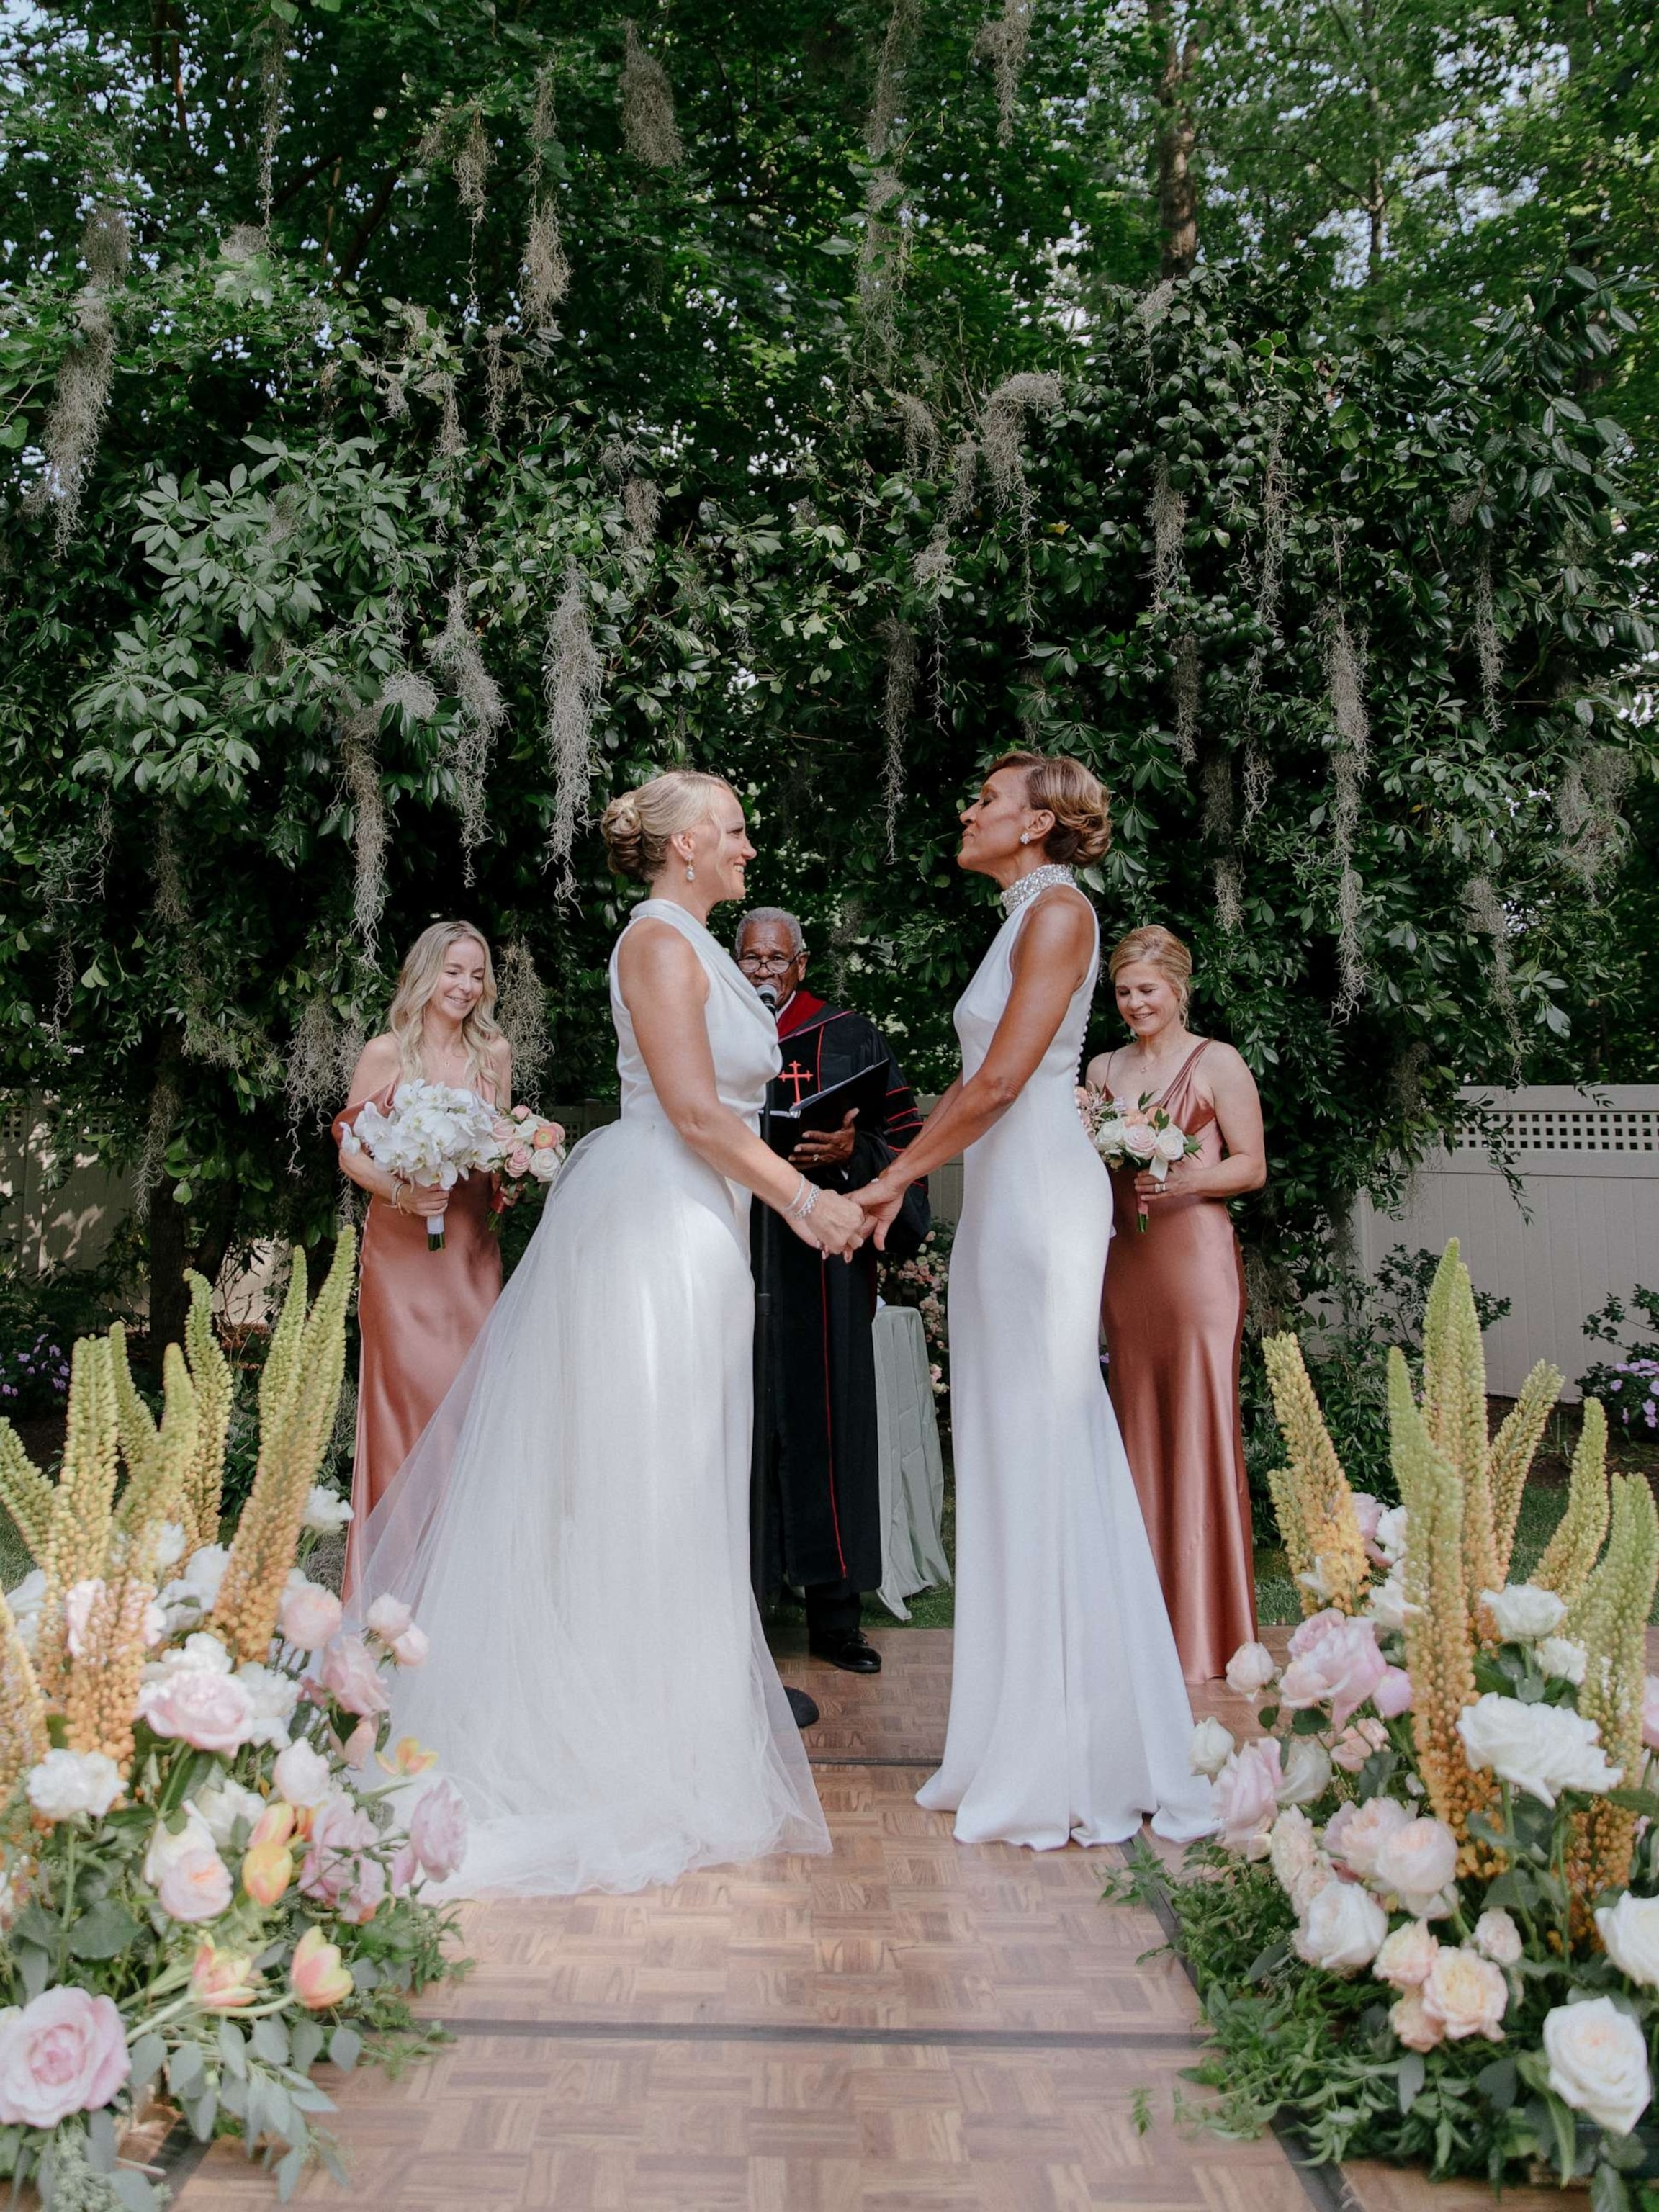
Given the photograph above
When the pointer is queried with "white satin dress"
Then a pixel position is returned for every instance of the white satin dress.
(1069, 1717)
(572, 1528)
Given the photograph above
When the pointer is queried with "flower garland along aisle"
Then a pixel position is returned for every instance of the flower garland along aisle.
(1429, 1928)
(213, 1859)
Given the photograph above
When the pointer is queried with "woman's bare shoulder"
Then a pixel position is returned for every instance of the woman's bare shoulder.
(656, 954)
(379, 1063)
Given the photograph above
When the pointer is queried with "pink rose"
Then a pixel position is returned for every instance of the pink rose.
(1354, 1841)
(212, 1712)
(1393, 1694)
(340, 1831)
(352, 1677)
(1334, 1662)
(309, 1615)
(302, 1773)
(1417, 1860)
(359, 1746)
(1356, 1744)
(517, 1161)
(196, 1886)
(438, 1830)
(387, 1618)
(64, 2052)
(1466, 1995)
(520, 1113)
(1247, 1796)
(1367, 1511)
(362, 1900)
(501, 1128)
(1651, 1713)
(411, 1649)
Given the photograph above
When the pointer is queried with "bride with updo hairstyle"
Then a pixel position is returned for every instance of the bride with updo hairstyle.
(1069, 1720)
(572, 1530)
(1174, 1301)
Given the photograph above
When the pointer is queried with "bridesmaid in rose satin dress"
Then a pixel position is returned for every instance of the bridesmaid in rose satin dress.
(1173, 1306)
(420, 1311)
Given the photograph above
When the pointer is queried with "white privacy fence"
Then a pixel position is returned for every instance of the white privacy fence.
(1589, 1164)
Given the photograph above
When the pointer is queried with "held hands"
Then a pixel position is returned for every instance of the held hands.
(826, 1148)
(835, 1225)
(881, 1201)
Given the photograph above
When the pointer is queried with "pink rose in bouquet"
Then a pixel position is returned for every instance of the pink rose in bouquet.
(351, 1676)
(66, 2052)
(438, 1831)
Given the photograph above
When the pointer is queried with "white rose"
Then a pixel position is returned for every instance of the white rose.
(1139, 1140)
(1598, 2060)
(1342, 1930)
(1171, 1145)
(301, 1774)
(327, 1512)
(1417, 1862)
(1541, 1749)
(1466, 1994)
(222, 1804)
(1497, 1937)
(1213, 1747)
(1523, 1612)
(66, 1782)
(1562, 1660)
(167, 1847)
(1388, 1607)
(201, 1653)
(1307, 1771)
(1630, 1931)
(1251, 1670)
(1407, 1956)
(272, 1695)
(1391, 1534)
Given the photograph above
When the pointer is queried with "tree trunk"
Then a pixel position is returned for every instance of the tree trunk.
(165, 1220)
(1177, 134)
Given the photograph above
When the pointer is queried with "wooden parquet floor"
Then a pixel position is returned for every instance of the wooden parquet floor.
(908, 2025)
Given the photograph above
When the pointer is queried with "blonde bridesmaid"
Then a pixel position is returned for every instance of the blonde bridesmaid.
(1174, 1302)
(419, 1311)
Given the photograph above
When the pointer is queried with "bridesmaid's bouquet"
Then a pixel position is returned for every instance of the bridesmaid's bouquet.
(1134, 1136)
(528, 1149)
(431, 1133)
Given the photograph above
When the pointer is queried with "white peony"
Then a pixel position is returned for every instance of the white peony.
(1598, 2060)
(1417, 1863)
(1388, 1607)
(1343, 1929)
(1251, 1670)
(388, 1617)
(1391, 1534)
(196, 1591)
(201, 1653)
(1542, 1749)
(1212, 1748)
(272, 1695)
(1562, 1660)
(1630, 1932)
(66, 1782)
(222, 1804)
(327, 1512)
(1522, 1612)
(25, 1602)
(1307, 1771)
(301, 1774)
(1497, 1937)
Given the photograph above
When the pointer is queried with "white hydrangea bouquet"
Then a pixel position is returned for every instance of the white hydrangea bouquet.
(1128, 1134)
(1430, 1926)
(211, 1855)
(431, 1133)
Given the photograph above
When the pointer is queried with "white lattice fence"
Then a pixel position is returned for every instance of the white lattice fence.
(1590, 1168)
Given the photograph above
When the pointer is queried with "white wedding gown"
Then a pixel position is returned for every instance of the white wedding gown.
(572, 1528)
(1069, 1717)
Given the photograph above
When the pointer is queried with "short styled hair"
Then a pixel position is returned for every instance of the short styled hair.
(773, 915)
(1160, 948)
(1076, 798)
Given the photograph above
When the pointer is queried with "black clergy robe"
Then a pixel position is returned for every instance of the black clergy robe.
(824, 1494)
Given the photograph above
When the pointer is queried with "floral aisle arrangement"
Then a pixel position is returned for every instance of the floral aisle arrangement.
(920, 1282)
(1430, 1926)
(213, 1856)
(431, 1133)
(1127, 1134)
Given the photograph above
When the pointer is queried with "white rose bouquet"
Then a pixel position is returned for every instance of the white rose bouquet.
(529, 1150)
(433, 1134)
(1139, 1135)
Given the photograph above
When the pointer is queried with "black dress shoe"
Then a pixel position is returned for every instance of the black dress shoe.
(804, 1709)
(848, 1649)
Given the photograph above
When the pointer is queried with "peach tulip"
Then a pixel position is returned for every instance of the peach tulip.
(274, 1826)
(267, 1870)
(408, 1756)
(222, 1981)
(320, 1977)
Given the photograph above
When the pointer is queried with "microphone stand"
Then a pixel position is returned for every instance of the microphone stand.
(804, 1708)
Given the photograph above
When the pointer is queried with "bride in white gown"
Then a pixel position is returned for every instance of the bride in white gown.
(572, 1529)
(1069, 1717)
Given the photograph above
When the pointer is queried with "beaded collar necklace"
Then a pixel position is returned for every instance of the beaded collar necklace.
(1025, 889)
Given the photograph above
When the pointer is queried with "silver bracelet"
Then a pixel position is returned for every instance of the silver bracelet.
(804, 1200)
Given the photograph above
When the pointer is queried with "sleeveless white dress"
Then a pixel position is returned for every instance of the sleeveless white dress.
(1069, 1717)
(572, 1528)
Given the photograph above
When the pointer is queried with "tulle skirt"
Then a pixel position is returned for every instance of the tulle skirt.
(572, 1530)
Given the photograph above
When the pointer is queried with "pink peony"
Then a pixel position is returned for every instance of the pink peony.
(196, 1887)
(302, 1773)
(1367, 1512)
(1417, 1861)
(1354, 1836)
(309, 1616)
(1356, 1744)
(213, 1712)
(352, 1677)
(1393, 1694)
(1334, 1662)
(1466, 1995)
(438, 1830)
(79, 1602)
(64, 2052)
(1247, 1796)
(387, 1619)
(404, 1868)
(359, 1746)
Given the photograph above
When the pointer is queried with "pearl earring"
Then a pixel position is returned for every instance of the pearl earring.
(691, 873)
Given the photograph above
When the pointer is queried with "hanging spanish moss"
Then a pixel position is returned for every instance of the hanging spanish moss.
(999, 430)
(920, 431)
(470, 166)
(1256, 782)
(273, 83)
(454, 653)
(1217, 780)
(1406, 1078)
(889, 67)
(451, 442)
(1488, 918)
(649, 129)
(932, 564)
(370, 835)
(414, 696)
(898, 701)
(1229, 893)
(1489, 654)
(171, 905)
(573, 675)
(1345, 681)
(546, 267)
(501, 377)
(80, 399)
(521, 1016)
(158, 1131)
(315, 1070)
(1595, 833)
(1187, 686)
(1169, 520)
(964, 482)
(1153, 306)
(1275, 523)
(1002, 42)
(884, 253)
(641, 503)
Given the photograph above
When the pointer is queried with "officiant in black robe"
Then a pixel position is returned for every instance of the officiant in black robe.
(823, 1489)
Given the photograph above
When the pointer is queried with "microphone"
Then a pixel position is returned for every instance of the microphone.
(768, 995)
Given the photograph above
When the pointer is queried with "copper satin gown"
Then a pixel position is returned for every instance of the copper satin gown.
(418, 1316)
(1173, 1315)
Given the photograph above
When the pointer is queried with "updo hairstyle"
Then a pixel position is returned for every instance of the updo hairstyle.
(637, 826)
(1074, 796)
(1160, 948)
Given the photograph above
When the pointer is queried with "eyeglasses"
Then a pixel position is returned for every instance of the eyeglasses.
(770, 964)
